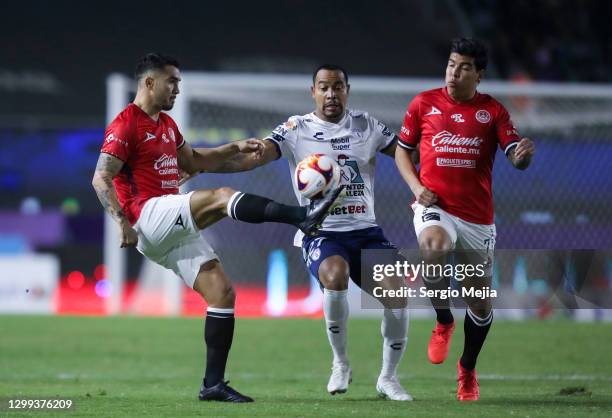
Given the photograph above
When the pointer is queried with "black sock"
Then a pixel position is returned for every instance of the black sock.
(444, 316)
(218, 334)
(476, 330)
(442, 306)
(256, 209)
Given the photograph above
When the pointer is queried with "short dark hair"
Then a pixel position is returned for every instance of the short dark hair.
(471, 47)
(153, 61)
(329, 67)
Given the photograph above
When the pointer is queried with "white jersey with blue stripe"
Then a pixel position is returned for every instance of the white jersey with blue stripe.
(353, 142)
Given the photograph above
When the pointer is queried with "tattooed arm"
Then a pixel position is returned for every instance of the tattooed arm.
(107, 168)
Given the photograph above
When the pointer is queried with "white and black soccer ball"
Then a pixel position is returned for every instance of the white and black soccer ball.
(316, 175)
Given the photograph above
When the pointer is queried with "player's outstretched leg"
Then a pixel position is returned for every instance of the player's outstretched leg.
(394, 329)
(256, 209)
(434, 242)
(210, 206)
(476, 329)
(333, 275)
(216, 289)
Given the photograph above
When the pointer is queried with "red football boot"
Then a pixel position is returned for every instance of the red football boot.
(439, 342)
(467, 384)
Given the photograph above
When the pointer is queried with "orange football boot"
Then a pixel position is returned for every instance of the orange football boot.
(439, 342)
(467, 384)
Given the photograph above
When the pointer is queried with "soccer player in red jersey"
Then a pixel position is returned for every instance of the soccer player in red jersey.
(458, 130)
(137, 182)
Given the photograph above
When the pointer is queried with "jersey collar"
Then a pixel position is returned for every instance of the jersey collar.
(330, 124)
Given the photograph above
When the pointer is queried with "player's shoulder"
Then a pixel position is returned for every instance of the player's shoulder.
(127, 119)
(167, 119)
(427, 97)
(432, 94)
(490, 102)
(295, 121)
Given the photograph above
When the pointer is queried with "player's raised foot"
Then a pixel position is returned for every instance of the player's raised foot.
(340, 378)
(437, 351)
(222, 392)
(317, 211)
(390, 388)
(467, 384)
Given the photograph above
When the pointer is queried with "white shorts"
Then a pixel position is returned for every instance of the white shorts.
(169, 236)
(464, 235)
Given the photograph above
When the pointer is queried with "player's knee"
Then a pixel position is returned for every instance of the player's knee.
(434, 246)
(481, 307)
(334, 274)
(222, 196)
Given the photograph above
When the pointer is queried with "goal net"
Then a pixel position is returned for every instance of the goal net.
(562, 201)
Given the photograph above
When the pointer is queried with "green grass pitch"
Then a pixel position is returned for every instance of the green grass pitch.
(125, 367)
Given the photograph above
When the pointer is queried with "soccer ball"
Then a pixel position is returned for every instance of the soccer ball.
(316, 175)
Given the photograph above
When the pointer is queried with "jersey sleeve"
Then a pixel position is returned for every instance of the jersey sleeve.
(180, 141)
(284, 136)
(410, 134)
(507, 136)
(119, 138)
(383, 136)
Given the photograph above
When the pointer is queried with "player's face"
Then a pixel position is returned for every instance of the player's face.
(166, 87)
(462, 77)
(330, 93)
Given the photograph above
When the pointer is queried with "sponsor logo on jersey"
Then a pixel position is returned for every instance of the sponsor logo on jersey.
(342, 143)
(169, 184)
(448, 138)
(149, 137)
(483, 116)
(385, 131)
(434, 111)
(112, 138)
(458, 117)
(318, 136)
(279, 133)
(166, 164)
(348, 210)
(431, 216)
(455, 162)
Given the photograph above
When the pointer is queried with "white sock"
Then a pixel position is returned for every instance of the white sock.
(336, 310)
(394, 329)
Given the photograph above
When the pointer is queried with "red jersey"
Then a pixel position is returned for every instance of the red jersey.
(458, 142)
(148, 149)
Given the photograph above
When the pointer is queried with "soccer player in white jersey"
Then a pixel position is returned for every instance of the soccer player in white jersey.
(354, 139)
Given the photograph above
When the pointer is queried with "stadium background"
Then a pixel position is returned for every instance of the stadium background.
(57, 57)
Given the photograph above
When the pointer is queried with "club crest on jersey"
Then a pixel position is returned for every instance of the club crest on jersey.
(171, 133)
(165, 138)
(483, 116)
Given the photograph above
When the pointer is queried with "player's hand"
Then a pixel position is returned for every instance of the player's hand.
(252, 145)
(129, 236)
(524, 150)
(425, 196)
(185, 176)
